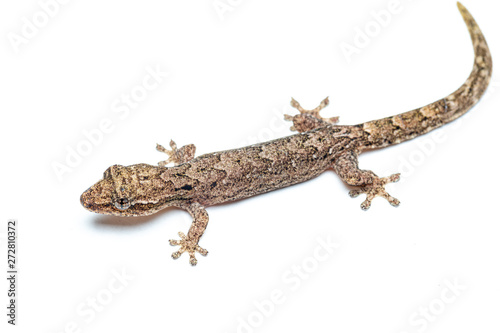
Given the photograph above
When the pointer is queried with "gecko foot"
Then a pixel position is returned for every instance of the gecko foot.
(176, 156)
(377, 189)
(189, 246)
(309, 119)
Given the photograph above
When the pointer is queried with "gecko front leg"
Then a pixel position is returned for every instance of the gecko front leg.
(308, 120)
(176, 156)
(346, 166)
(189, 243)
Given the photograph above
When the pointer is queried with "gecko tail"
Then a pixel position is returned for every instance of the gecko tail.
(405, 126)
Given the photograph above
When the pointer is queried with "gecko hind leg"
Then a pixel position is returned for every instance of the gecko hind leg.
(309, 119)
(346, 166)
(176, 155)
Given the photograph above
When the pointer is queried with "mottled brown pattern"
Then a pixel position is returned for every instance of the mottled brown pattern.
(406, 126)
(195, 183)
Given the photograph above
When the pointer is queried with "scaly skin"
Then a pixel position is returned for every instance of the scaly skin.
(195, 183)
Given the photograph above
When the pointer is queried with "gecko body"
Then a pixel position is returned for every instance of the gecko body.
(195, 183)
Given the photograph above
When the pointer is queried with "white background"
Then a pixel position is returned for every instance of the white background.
(230, 78)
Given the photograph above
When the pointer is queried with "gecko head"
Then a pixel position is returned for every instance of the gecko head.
(135, 190)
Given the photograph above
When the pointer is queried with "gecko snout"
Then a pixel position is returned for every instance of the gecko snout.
(98, 198)
(85, 199)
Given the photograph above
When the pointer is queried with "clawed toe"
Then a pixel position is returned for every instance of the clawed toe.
(176, 155)
(394, 202)
(171, 153)
(309, 119)
(365, 205)
(355, 193)
(392, 178)
(176, 255)
(201, 250)
(189, 246)
(376, 189)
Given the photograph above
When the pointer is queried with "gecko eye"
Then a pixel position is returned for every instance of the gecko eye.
(122, 203)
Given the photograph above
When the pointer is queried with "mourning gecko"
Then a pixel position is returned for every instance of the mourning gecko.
(194, 183)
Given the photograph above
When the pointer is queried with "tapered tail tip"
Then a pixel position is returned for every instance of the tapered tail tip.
(462, 8)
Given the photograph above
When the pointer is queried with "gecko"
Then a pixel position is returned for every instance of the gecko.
(194, 183)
